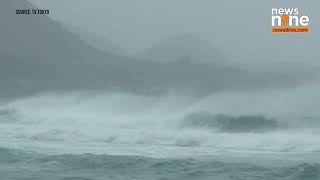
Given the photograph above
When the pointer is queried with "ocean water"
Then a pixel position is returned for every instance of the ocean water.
(99, 135)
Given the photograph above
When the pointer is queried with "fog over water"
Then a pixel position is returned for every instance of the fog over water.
(157, 90)
(239, 29)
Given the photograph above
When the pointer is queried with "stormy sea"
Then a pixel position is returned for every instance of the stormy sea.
(266, 135)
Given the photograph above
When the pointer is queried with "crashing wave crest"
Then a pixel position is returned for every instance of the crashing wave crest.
(222, 122)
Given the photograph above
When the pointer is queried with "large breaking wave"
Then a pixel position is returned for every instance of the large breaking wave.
(222, 122)
(276, 121)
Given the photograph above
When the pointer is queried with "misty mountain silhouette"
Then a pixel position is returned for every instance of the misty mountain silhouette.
(38, 54)
(37, 35)
(97, 41)
(181, 46)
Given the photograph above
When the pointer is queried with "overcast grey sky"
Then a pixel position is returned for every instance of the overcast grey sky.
(136, 24)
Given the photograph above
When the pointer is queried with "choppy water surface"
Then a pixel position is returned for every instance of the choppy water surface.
(266, 135)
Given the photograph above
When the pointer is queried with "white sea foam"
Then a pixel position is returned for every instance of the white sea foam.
(114, 119)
